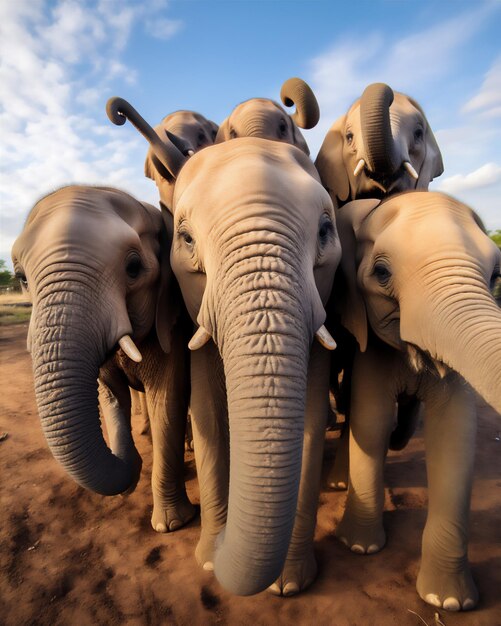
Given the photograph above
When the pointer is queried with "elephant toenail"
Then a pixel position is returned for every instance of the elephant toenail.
(356, 547)
(468, 604)
(372, 548)
(208, 566)
(451, 604)
(161, 528)
(291, 589)
(343, 540)
(340, 485)
(274, 589)
(175, 524)
(432, 598)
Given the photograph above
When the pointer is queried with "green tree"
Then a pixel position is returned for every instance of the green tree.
(6, 276)
(495, 235)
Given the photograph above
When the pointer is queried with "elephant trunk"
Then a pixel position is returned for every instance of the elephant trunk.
(265, 349)
(66, 366)
(462, 330)
(381, 152)
(296, 91)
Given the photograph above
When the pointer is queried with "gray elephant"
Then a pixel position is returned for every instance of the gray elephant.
(190, 132)
(419, 271)
(383, 145)
(260, 117)
(95, 264)
(255, 249)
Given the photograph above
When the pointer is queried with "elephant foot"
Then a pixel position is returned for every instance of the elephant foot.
(166, 519)
(447, 589)
(338, 477)
(204, 552)
(297, 575)
(361, 539)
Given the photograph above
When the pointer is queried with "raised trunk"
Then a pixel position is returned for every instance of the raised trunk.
(264, 337)
(296, 91)
(381, 152)
(67, 351)
(465, 334)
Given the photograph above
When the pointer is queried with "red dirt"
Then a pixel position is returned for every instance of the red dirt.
(71, 557)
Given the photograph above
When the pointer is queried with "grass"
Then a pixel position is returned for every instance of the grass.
(15, 308)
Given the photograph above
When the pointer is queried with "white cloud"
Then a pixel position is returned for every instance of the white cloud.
(484, 176)
(59, 64)
(162, 28)
(488, 100)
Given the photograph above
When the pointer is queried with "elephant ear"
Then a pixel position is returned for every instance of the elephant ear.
(330, 164)
(168, 308)
(433, 165)
(223, 133)
(350, 301)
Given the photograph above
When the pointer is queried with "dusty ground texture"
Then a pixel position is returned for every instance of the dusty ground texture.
(71, 557)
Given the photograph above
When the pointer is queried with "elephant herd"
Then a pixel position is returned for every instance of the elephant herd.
(229, 302)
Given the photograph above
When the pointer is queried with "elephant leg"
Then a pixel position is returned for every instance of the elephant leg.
(209, 421)
(168, 407)
(115, 408)
(300, 568)
(140, 409)
(444, 578)
(371, 421)
(339, 472)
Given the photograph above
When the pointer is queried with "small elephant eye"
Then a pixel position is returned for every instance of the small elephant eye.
(325, 230)
(418, 134)
(21, 277)
(233, 133)
(349, 138)
(134, 267)
(495, 283)
(382, 273)
(187, 238)
(282, 127)
(202, 139)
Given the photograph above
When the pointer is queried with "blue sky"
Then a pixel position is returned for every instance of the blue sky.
(62, 59)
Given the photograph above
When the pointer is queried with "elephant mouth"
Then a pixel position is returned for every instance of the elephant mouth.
(384, 185)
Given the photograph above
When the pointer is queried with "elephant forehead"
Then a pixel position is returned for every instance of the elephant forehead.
(245, 167)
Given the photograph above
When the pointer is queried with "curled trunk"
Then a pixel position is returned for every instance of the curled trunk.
(296, 91)
(381, 152)
(67, 354)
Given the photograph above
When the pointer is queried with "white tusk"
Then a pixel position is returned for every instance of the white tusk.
(199, 339)
(359, 168)
(190, 152)
(411, 170)
(130, 349)
(325, 338)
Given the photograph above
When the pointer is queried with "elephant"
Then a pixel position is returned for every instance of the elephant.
(191, 132)
(260, 117)
(95, 263)
(383, 145)
(255, 249)
(418, 272)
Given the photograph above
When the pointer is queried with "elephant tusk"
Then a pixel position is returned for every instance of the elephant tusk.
(130, 349)
(359, 168)
(199, 339)
(325, 338)
(190, 152)
(411, 170)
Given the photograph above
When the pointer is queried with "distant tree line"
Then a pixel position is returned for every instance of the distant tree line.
(8, 281)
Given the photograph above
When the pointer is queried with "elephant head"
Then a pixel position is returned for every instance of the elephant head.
(383, 145)
(420, 270)
(190, 132)
(264, 118)
(91, 262)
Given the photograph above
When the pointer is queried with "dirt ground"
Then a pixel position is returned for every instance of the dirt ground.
(69, 557)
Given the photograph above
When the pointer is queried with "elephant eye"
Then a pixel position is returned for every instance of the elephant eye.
(349, 137)
(282, 127)
(134, 267)
(418, 134)
(325, 230)
(187, 238)
(382, 273)
(233, 134)
(202, 139)
(495, 283)
(21, 277)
